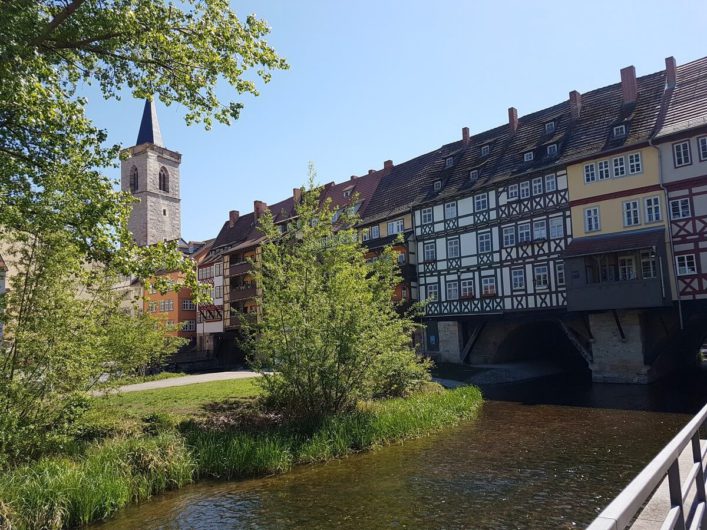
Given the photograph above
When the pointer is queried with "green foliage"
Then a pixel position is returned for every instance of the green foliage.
(329, 331)
(64, 327)
(51, 153)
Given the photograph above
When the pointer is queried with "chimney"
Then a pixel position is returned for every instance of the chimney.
(671, 72)
(629, 87)
(388, 164)
(513, 119)
(353, 177)
(465, 135)
(575, 104)
(232, 218)
(371, 171)
(297, 195)
(259, 208)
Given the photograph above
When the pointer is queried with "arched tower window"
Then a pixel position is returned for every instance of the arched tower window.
(164, 179)
(133, 180)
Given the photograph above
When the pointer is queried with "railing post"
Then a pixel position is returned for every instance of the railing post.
(676, 493)
(700, 478)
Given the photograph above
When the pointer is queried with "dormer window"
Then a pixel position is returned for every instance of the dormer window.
(619, 131)
(437, 185)
(550, 127)
(347, 194)
(527, 157)
(473, 174)
(485, 149)
(551, 150)
(449, 162)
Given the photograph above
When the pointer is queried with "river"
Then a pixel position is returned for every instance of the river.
(546, 454)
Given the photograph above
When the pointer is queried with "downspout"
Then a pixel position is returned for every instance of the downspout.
(661, 183)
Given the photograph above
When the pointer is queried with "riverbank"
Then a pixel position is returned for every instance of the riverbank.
(61, 492)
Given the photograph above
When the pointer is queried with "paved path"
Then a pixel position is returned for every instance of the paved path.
(188, 380)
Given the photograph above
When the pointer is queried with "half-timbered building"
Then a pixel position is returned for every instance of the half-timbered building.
(682, 143)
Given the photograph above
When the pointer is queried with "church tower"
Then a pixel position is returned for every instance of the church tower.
(151, 173)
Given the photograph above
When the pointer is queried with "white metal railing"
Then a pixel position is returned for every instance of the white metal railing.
(624, 508)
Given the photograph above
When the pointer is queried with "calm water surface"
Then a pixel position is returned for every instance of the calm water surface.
(549, 454)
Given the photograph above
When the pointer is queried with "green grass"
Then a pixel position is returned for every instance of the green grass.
(64, 492)
(182, 402)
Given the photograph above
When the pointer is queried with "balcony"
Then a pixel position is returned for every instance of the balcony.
(626, 294)
(626, 270)
(240, 268)
(238, 319)
(243, 292)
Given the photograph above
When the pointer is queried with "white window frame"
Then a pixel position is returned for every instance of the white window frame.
(481, 241)
(560, 274)
(539, 230)
(590, 173)
(485, 150)
(524, 189)
(437, 185)
(618, 165)
(635, 163)
(683, 205)
(528, 156)
(396, 226)
(509, 236)
(684, 155)
(432, 292)
(626, 266)
(686, 268)
(541, 276)
(550, 183)
(426, 216)
(453, 243)
(648, 262)
(473, 174)
(375, 232)
(619, 131)
(429, 251)
(512, 194)
(557, 227)
(522, 230)
(550, 127)
(466, 289)
(452, 290)
(603, 170)
(488, 286)
(551, 150)
(631, 213)
(702, 147)
(481, 202)
(592, 219)
(651, 206)
(450, 210)
(537, 186)
(448, 162)
(517, 279)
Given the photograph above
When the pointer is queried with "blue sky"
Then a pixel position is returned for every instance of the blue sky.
(377, 80)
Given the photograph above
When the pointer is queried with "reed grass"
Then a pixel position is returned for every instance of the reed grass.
(56, 493)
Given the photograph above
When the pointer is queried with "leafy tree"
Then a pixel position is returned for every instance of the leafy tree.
(51, 153)
(65, 325)
(66, 222)
(329, 329)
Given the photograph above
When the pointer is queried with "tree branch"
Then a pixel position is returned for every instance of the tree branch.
(58, 20)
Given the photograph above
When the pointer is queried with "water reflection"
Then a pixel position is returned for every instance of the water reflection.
(541, 455)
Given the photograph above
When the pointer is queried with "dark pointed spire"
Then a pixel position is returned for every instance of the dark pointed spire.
(149, 126)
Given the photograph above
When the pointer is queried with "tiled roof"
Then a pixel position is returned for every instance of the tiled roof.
(412, 182)
(603, 108)
(687, 102)
(364, 186)
(603, 244)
